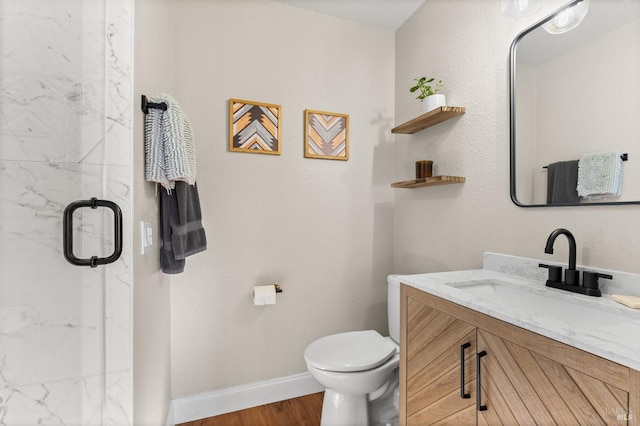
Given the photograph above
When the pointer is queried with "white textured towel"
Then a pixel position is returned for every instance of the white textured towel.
(600, 175)
(169, 146)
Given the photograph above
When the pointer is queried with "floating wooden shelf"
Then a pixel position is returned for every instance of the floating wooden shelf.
(428, 119)
(430, 181)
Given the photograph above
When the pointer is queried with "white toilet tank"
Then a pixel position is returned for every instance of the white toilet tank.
(393, 308)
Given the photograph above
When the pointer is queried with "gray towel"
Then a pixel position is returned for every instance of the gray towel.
(168, 211)
(182, 231)
(187, 233)
(562, 181)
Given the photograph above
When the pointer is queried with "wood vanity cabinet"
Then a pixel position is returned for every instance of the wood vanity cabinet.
(525, 378)
(440, 351)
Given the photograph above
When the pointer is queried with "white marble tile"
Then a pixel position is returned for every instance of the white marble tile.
(118, 292)
(119, 47)
(42, 45)
(40, 118)
(52, 317)
(42, 293)
(108, 35)
(65, 76)
(54, 403)
(95, 75)
(93, 402)
(40, 353)
(119, 406)
(69, 10)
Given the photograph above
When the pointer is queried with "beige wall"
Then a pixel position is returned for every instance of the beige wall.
(448, 227)
(320, 228)
(151, 316)
(531, 178)
(606, 119)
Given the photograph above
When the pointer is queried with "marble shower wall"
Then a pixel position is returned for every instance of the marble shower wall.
(65, 135)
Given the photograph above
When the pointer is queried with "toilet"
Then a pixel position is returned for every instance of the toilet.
(359, 370)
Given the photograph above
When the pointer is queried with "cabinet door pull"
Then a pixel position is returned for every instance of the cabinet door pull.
(462, 348)
(479, 382)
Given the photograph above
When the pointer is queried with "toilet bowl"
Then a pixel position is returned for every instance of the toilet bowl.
(351, 366)
(359, 370)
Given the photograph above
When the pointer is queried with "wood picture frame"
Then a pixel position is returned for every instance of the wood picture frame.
(254, 127)
(326, 135)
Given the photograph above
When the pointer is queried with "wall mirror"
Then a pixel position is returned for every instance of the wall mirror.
(573, 94)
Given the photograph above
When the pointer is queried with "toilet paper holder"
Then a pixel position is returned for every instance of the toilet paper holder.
(266, 294)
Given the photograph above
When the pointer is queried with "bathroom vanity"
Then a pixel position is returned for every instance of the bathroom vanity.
(495, 346)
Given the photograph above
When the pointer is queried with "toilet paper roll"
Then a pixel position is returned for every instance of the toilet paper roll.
(264, 295)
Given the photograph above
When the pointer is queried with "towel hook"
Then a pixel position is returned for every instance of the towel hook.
(146, 105)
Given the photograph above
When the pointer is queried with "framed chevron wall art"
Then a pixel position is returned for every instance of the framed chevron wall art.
(254, 127)
(326, 135)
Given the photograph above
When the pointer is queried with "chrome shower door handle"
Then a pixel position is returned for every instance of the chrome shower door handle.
(67, 232)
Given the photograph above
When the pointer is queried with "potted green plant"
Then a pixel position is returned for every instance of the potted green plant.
(428, 93)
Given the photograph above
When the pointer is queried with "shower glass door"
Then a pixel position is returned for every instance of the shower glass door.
(65, 135)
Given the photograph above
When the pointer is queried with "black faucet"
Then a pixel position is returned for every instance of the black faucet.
(571, 275)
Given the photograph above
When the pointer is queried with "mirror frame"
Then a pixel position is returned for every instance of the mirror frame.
(512, 120)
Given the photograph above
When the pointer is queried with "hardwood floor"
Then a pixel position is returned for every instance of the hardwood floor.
(303, 411)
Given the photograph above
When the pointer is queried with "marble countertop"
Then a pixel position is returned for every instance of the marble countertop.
(597, 325)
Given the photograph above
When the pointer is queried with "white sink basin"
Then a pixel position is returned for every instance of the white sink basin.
(576, 311)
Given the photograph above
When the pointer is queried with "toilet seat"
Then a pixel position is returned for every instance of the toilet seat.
(349, 352)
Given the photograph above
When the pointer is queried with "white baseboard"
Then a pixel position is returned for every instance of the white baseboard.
(238, 398)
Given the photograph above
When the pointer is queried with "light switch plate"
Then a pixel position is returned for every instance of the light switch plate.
(146, 236)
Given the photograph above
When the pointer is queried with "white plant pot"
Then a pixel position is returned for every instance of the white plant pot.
(432, 102)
